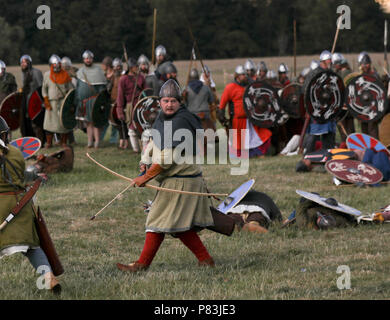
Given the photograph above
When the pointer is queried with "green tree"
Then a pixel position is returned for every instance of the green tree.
(11, 38)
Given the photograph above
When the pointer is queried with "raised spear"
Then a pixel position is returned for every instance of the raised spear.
(385, 65)
(295, 48)
(154, 34)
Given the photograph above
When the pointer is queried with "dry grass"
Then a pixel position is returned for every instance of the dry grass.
(282, 264)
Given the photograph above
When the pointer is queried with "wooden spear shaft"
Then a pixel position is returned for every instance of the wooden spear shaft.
(386, 67)
(154, 35)
(337, 34)
(295, 48)
(189, 67)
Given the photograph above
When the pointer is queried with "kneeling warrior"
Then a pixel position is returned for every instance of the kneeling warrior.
(21, 234)
(177, 214)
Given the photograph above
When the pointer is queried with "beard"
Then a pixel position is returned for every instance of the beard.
(56, 69)
(244, 82)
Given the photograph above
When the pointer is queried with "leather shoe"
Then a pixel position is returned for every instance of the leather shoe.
(207, 263)
(132, 267)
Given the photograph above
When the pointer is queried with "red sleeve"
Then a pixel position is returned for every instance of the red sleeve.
(225, 98)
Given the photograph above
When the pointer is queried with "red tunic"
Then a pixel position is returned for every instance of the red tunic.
(235, 93)
(126, 89)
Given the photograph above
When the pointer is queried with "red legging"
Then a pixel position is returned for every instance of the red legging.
(189, 238)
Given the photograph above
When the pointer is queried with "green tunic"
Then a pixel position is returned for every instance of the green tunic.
(56, 94)
(174, 212)
(21, 230)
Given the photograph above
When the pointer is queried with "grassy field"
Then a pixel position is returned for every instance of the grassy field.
(285, 263)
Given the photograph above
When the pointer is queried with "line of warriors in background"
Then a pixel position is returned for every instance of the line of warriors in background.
(127, 87)
(283, 139)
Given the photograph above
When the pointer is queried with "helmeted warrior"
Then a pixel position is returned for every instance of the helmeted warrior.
(7, 81)
(170, 72)
(326, 60)
(207, 79)
(324, 131)
(283, 77)
(129, 90)
(157, 78)
(365, 66)
(143, 65)
(177, 214)
(90, 82)
(117, 66)
(250, 69)
(56, 84)
(112, 88)
(259, 138)
(341, 67)
(66, 64)
(19, 234)
(262, 71)
(302, 76)
(32, 80)
(198, 97)
(162, 60)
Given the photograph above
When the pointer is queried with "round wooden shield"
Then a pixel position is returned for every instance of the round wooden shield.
(334, 205)
(384, 130)
(68, 111)
(35, 104)
(361, 141)
(10, 109)
(262, 104)
(353, 171)
(292, 101)
(27, 145)
(324, 95)
(101, 109)
(366, 98)
(145, 112)
(235, 197)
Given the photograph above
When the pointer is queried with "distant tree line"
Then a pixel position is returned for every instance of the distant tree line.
(222, 28)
